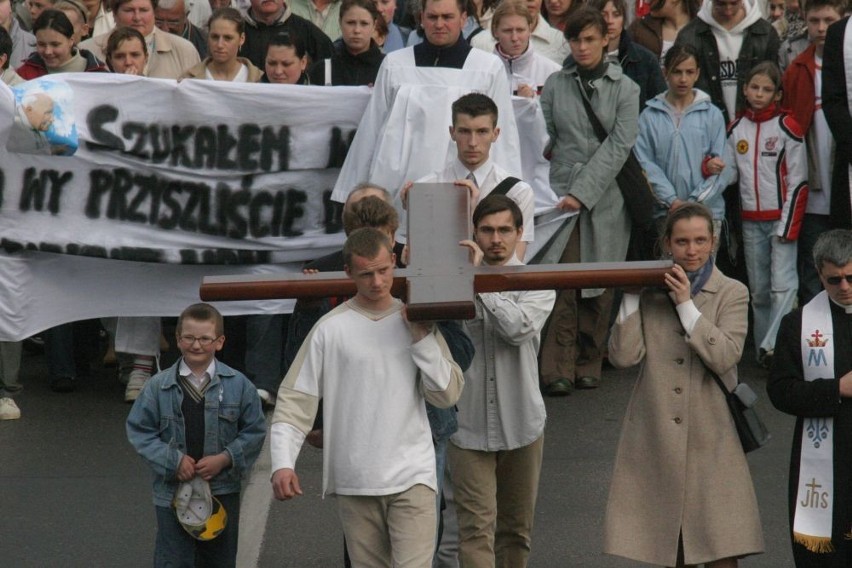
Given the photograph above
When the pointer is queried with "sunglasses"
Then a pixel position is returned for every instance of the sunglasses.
(835, 280)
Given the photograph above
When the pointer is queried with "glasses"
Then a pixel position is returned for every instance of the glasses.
(189, 340)
(835, 280)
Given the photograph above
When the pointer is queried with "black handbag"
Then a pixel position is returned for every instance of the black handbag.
(741, 402)
(639, 198)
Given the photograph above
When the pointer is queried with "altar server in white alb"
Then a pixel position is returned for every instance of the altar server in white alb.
(373, 369)
(495, 456)
(402, 135)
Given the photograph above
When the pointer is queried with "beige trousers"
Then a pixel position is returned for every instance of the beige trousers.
(390, 530)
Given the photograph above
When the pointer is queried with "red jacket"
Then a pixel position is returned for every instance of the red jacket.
(799, 99)
(34, 66)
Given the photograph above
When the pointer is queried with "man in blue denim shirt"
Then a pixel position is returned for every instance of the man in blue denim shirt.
(197, 418)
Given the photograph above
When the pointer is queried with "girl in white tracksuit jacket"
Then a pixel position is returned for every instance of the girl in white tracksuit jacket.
(767, 146)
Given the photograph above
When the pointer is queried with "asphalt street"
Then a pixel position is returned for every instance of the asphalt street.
(75, 494)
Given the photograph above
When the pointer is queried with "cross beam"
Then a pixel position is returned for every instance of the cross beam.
(440, 283)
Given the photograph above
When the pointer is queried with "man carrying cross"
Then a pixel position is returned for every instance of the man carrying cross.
(495, 456)
(373, 368)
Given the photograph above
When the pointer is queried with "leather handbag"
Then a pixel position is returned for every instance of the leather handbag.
(741, 402)
(639, 198)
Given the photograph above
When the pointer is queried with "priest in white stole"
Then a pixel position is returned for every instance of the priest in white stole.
(837, 106)
(811, 378)
(403, 133)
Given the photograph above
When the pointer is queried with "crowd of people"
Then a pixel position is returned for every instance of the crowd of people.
(740, 116)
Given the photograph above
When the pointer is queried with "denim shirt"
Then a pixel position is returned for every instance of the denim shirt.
(233, 419)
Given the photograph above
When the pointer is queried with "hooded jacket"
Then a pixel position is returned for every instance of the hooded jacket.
(671, 154)
(528, 68)
(753, 39)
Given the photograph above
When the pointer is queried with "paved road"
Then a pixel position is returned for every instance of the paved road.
(74, 494)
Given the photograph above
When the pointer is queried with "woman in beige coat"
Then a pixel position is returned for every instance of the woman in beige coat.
(681, 490)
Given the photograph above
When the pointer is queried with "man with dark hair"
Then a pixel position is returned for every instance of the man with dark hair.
(474, 130)
(811, 378)
(731, 36)
(390, 145)
(265, 18)
(374, 368)
(495, 456)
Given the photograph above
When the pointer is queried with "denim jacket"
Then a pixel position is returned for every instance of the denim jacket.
(233, 420)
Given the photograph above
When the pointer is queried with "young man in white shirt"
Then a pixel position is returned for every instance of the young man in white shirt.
(373, 368)
(474, 130)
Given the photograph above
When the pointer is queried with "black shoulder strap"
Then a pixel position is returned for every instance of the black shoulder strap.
(600, 132)
(504, 186)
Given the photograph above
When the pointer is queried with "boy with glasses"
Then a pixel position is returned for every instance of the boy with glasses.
(197, 419)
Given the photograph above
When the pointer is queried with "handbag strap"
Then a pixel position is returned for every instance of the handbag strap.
(600, 131)
(504, 186)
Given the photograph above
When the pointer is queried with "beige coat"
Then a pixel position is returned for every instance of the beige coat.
(200, 71)
(680, 466)
(172, 56)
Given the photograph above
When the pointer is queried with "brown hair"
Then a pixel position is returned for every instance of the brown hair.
(366, 242)
(370, 211)
(119, 36)
(687, 211)
(201, 312)
(229, 14)
(510, 8)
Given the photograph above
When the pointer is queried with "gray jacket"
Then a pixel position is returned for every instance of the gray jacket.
(583, 167)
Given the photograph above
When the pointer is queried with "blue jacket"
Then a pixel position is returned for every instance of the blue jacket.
(233, 420)
(672, 155)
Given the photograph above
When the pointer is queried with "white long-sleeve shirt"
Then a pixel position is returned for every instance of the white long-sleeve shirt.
(373, 381)
(501, 407)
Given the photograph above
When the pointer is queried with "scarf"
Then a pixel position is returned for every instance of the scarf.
(812, 521)
(698, 278)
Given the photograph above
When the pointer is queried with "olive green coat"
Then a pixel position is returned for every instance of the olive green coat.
(583, 167)
(680, 465)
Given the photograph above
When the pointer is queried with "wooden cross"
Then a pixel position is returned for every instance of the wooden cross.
(440, 282)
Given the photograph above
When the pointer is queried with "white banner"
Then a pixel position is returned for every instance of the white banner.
(169, 183)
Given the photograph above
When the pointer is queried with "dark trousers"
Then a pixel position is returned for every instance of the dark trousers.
(574, 338)
(175, 548)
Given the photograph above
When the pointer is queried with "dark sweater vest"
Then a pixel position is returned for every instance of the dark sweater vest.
(192, 408)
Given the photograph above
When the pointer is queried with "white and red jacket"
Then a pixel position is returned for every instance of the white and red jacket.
(768, 149)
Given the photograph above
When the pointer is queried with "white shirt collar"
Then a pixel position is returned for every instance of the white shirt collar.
(479, 173)
(185, 371)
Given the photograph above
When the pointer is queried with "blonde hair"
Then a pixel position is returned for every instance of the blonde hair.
(510, 8)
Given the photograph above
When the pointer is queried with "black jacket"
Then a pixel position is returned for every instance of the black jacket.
(642, 66)
(760, 43)
(790, 393)
(258, 34)
(835, 105)
(348, 69)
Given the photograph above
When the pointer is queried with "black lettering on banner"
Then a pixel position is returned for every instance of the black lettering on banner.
(225, 144)
(170, 221)
(138, 254)
(338, 147)
(279, 201)
(188, 256)
(205, 148)
(137, 131)
(181, 136)
(237, 224)
(294, 211)
(248, 147)
(11, 246)
(40, 185)
(272, 141)
(332, 213)
(100, 183)
(257, 228)
(187, 219)
(97, 118)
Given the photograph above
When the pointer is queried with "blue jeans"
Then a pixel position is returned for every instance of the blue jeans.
(175, 548)
(772, 277)
(809, 283)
